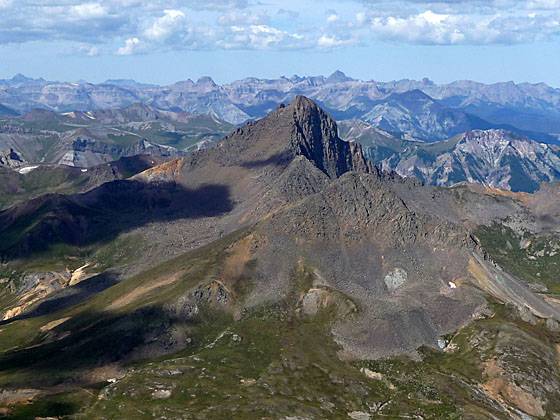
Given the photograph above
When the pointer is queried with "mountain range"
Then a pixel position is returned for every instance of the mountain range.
(496, 158)
(409, 109)
(511, 129)
(89, 138)
(280, 273)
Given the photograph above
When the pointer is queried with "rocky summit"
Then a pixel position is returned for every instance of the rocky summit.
(281, 274)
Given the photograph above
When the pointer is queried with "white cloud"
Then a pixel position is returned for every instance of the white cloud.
(426, 27)
(89, 50)
(236, 18)
(87, 11)
(140, 26)
(429, 27)
(544, 4)
(258, 37)
(361, 18)
(329, 41)
(166, 25)
(333, 17)
(131, 46)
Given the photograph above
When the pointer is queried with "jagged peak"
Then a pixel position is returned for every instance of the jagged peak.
(206, 81)
(315, 136)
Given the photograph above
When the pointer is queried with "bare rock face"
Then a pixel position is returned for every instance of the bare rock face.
(395, 279)
(315, 136)
(11, 159)
(497, 158)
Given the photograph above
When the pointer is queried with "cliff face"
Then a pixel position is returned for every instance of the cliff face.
(315, 136)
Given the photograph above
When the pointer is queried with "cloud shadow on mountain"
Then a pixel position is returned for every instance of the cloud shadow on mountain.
(101, 214)
(278, 159)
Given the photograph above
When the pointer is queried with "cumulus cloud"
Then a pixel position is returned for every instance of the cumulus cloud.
(131, 45)
(163, 27)
(426, 27)
(258, 37)
(333, 17)
(87, 11)
(330, 41)
(243, 18)
(429, 27)
(89, 50)
(135, 26)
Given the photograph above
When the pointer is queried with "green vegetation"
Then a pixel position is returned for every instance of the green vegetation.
(15, 187)
(535, 259)
(268, 361)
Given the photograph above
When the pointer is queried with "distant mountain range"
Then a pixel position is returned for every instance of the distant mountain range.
(503, 135)
(497, 158)
(89, 138)
(408, 109)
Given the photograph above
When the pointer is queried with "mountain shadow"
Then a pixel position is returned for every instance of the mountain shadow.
(96, 338)
(102, 213)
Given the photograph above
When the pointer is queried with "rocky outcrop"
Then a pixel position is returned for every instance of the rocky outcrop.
(315, 136)
(11, 159)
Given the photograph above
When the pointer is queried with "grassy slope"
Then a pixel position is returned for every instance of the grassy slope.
(537, 262)
(268, 362)
(15, 187)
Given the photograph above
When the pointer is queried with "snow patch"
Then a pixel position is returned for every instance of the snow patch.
(27, 169)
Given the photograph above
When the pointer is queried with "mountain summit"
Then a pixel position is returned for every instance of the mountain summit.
(338, 77)
(298, 129)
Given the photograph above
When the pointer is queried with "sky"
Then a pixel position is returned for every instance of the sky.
(166, 41)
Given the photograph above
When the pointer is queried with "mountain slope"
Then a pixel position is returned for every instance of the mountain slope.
(496, 158)
(277, 264)
(32, 181)
(5, 111)
(86, 139)
(413, 115)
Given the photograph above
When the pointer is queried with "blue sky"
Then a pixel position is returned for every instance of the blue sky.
(166, 41)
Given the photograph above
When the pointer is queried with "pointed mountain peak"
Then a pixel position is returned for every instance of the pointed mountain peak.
(20, 78)
(301, 128)
(315, 136)
(338, 77)
(206, 81)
